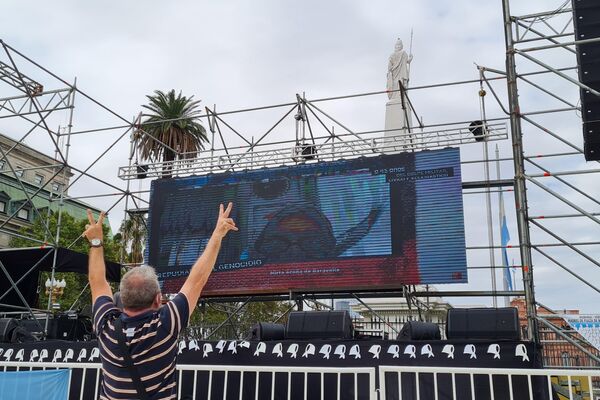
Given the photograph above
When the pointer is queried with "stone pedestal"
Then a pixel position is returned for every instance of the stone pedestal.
(397, 137)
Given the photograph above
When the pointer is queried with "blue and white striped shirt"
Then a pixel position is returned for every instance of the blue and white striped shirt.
(152, 341)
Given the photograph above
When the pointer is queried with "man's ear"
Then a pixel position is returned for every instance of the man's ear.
(157, 300)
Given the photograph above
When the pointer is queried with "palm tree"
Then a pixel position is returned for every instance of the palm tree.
(132, 236)
(171, 121)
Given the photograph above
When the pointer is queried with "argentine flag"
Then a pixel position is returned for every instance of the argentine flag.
(505, 238)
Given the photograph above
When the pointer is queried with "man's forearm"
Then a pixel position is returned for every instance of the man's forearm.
(203, 266)
(96, 267)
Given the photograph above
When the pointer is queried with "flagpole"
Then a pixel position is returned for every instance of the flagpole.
(501, 218)
(488, 194)
(488, 201)
(514, 274)
(409, 55)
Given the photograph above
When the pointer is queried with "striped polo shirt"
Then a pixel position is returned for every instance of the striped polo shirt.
(152, 341)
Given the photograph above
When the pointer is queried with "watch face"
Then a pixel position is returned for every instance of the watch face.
(96, 242)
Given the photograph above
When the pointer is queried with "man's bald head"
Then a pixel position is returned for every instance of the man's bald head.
(139, 288)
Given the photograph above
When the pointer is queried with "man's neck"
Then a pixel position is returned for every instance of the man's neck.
(132, 313)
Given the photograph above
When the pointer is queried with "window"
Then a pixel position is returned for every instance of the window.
(566, 359)
(56, 186)
(2, 164)
(38, 179)
(2, 207)
(23, 214)
(19, 171)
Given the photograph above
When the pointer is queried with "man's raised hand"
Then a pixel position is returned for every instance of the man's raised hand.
(93, 230)
(224, 223)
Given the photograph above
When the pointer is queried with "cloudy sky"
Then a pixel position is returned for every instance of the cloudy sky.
(241, 54)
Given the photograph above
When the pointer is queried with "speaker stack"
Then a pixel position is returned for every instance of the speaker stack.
(319, 325)
(417, 330)
(64, 326)
(483, 323)
(586, 19)
(7, 326)
(264, 331)
(72, 326)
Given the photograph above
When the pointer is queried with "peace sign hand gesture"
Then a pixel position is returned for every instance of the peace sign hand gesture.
(224, 223)
(93, 230)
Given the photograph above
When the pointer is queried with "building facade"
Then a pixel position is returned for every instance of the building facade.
(31, 184)
(557, 351)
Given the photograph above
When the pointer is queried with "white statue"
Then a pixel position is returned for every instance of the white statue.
(397, 70)
(398, 135)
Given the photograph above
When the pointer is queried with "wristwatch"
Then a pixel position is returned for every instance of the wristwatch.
(96, 242)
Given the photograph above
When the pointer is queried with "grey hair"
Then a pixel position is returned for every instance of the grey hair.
(139, 286)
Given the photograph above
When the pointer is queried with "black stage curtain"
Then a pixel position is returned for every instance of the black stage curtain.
(18, 262)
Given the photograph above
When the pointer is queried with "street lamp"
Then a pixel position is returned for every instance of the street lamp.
(56, 288)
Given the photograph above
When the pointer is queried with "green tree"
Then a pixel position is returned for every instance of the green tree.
(210, 315)
(70, 237)
(172, 119)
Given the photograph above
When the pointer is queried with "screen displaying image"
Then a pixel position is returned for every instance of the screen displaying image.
(366, 223)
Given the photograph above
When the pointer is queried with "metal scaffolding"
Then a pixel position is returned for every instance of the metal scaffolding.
(546, 39)
(305, 131)
(25, 100)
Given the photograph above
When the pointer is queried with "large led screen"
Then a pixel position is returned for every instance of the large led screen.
(361, 224)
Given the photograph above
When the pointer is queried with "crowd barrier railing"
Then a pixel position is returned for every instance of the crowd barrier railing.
(488, 383)
(373, 383)
(85, 379)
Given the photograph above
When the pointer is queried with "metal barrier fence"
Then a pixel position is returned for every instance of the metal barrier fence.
(199, 382)
(419, 383)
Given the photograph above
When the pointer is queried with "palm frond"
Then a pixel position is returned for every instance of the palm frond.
(170, 119)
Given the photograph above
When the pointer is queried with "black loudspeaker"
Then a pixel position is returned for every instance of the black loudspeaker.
(586, 19)
(303, 152)
(21, 335)
(264, 331)
(7, 326)
(309, 152)
(65, 326)
(417, 330)
(476, 128)
(72, 327)
(483, 323)
(36, 326)
(319, 325)
(142, 171)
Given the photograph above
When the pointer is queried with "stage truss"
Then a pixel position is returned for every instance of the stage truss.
(548, 195)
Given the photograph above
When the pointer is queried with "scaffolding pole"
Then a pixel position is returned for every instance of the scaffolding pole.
(520, 188)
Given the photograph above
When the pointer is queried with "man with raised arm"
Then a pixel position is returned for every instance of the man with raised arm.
(138, 345)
